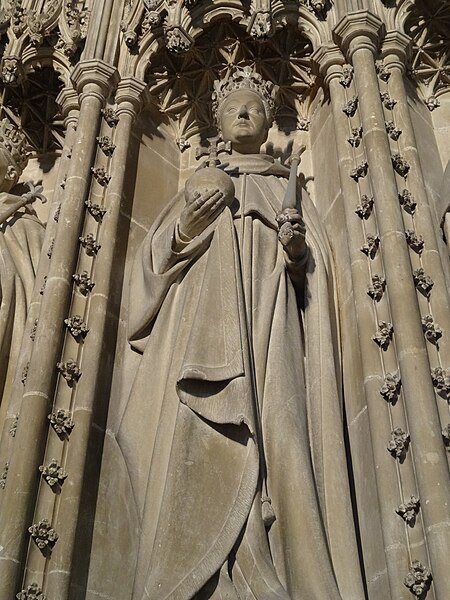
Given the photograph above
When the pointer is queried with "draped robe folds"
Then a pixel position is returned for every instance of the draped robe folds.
(21, 238)
(223, 373)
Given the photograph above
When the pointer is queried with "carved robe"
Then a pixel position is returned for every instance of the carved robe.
(225, 373)
(21, 237)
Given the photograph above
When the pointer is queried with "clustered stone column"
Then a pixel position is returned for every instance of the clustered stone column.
(370, 297)
(420, 229)
(96, 314)
(416, 418)
(94, 81)
(68, 102)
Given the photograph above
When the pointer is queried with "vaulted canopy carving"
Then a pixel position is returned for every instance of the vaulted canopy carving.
(180, 83)
(428, 25)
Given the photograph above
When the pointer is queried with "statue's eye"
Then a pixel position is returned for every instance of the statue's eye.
(231, 110)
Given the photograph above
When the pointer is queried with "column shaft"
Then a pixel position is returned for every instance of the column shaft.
(380, 426)
(37, 400)
(93, 367)
(429, 453)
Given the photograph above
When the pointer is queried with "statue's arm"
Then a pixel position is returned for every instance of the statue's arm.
(10, 204)
(163, 258)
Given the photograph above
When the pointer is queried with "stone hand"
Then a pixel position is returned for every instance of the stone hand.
(292, 233)
(201, 212)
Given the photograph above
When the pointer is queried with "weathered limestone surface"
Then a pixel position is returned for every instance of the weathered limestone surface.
(117, 469)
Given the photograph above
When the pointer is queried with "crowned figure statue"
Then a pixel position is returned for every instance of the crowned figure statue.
(21, 238)
(232, 436)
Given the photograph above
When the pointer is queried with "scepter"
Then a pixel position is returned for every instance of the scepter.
(290, 198)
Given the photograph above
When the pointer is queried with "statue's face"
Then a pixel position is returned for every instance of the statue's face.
(243, 121)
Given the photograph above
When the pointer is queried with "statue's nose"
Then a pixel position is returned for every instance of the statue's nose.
(243, 112)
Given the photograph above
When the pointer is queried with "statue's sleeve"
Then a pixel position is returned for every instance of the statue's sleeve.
(9, 204)
(161, 260)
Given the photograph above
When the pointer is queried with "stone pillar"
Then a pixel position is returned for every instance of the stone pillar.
(385, 551)
(129, 98)
(93, 80)
(358, 35)
(423, 229)
(69, 110)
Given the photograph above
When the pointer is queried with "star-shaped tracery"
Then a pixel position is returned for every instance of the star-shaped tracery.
(429, 27)
(181, 84)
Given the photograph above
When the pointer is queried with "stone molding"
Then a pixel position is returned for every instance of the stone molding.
(95, 77)
(359, 29)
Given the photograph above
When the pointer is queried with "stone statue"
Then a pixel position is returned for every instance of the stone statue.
(233, 433)
(21, 237)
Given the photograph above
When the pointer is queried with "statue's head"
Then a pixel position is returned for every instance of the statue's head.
(13, 155)
(243, 108)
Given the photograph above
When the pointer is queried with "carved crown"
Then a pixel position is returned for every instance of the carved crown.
(245, 79)
(14, 142)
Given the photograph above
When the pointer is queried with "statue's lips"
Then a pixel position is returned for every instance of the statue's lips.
(242, 124)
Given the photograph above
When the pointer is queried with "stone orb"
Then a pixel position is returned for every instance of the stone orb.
(209, 179)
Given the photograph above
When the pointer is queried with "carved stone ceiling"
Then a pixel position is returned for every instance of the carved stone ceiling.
(181, 84)
(429, 27)
(32, 107)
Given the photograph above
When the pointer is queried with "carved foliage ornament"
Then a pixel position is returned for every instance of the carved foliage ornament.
(25, 373)
(364, 209)
(43, 535)
(382, 72)
(90, 244)
(261, 26)
(77, 327)
(384, 334)
(14, 142)
(407, 201)
(347, 76)
(101, 175)
(418, 579)
(441, 381)
(70, 371)
(62, 423)
(431, 330)
(390, 390)
(351, 107)
(110, 116)
(32, 592)
(400, 165)
(106, 145)
(371, 246)
(83, 281)
(3, 476)
(30, 28)
(13, 428)
(95, 210)
(423, 282)
(355, 139)
(414, 241)
(446, 436)
(408, 510)
(34, 329)
(399, 443)
(387, 101)
(376, 289)
(393, 131)
(53, 474)
(360, 171)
